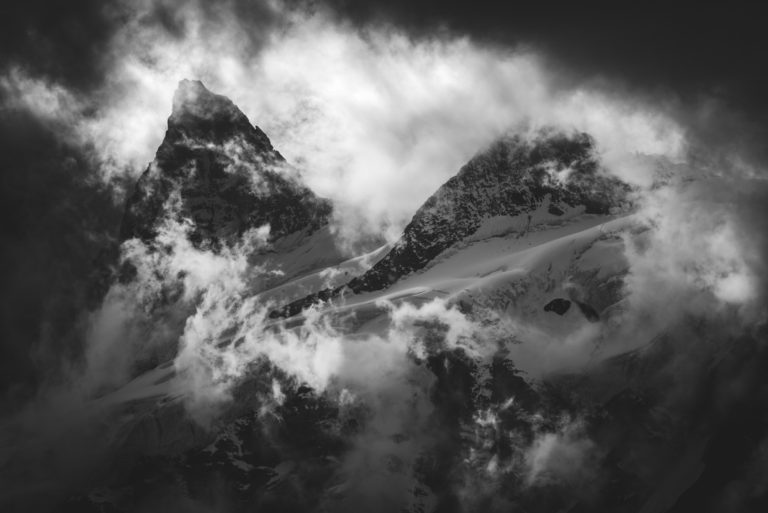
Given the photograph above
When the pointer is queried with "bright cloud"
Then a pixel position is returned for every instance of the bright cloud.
(374, 120)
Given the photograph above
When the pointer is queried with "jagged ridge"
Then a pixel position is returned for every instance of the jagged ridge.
(512, 177)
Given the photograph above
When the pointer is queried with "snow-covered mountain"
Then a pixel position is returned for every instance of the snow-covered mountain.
(483, 361)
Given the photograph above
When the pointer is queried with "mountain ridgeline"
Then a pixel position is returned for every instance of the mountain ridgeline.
(217, 170)
(515, 176)
(222, 173)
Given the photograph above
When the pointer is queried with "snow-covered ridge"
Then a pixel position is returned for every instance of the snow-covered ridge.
(517, 181)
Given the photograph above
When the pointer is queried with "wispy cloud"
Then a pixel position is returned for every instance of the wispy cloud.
(374, 119)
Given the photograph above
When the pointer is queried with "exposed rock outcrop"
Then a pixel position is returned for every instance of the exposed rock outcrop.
(558, 305)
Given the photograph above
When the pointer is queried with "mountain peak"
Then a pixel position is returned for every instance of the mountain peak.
(187, 86)
(193, 103)
(224, 170)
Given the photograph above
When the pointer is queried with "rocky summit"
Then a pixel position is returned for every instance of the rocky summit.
(221, 172)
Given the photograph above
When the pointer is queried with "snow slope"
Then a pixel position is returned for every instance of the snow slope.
(515, 274)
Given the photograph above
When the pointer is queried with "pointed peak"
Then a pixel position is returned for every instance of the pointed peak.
(189, 91)
(193, 102)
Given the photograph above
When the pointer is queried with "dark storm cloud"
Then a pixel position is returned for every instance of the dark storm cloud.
(69, 41)
(58, 39)
(52, 217)
(56, 221)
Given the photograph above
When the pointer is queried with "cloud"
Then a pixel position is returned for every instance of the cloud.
(696, 256)
(142, 317)
(48, 101)
(374, 119)
(562, 455)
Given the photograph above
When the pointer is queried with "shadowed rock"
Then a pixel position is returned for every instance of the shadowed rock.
(589, 312)
(559, 305)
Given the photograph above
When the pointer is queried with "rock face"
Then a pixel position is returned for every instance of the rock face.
(514, 177)
(221, 172)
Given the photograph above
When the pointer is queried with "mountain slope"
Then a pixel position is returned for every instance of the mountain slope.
(517, 182)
